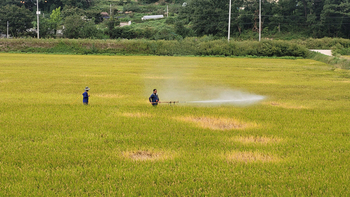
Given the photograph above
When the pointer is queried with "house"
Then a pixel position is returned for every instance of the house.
(104, 15)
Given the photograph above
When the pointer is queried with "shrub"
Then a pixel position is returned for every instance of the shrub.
(177, 46)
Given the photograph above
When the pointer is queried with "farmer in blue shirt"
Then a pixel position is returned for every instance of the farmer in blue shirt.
(86, 96)
(154, 99)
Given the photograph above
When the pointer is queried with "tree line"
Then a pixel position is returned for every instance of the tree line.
(315, 18)
(310, 18)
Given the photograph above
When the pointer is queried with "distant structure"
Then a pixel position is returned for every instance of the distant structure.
(124, 24)
(152, 17)
(104, 15)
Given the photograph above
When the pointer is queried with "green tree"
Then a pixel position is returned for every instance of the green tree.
(44, 27)
(206, 16)
(71, 11)
(55, 19)
(181, 30)
(19, 19)
(73, 26)
(76, 27)
(209, 16)
(335, 18)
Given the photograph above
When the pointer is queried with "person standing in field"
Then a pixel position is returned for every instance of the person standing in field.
(154, 99)
(86, 96)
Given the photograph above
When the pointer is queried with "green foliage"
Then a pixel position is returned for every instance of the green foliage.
(152, 29)
(342, 51)
(148, 1)
(55, 19)
(285, 19)
(77, 3)
(324, 43)
(45, 27)
(170, 20)
(205, 46)
(77, 27)
(206, 16)
(337, 62)
(19, 18)
(48, 5)
(71, 11)
(183, 31)
(302, 17)
(111, 24)
(336, 17)
(133, 8)
(95, 15)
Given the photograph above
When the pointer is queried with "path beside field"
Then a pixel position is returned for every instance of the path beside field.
(324, 52)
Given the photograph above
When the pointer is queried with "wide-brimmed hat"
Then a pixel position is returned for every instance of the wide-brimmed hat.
(87, 88)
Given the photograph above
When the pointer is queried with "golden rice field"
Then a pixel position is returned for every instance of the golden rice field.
(295, 142)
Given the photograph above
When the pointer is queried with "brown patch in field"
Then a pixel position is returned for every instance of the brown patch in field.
(256, 140)
(217, 123)
(145, 155)
(284, 105)
(5, 81)
(109, 95)
(248, 156)
(136, 115)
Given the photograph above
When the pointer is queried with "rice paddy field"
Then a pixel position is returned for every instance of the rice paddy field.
(295, 142)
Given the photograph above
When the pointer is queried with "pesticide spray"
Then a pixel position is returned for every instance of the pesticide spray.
(227, 97)
(178, 84)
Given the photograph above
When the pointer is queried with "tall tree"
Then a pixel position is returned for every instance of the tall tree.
(335, 18)
(55, 19)
(208, 16)
(76, 27)
(19, 19)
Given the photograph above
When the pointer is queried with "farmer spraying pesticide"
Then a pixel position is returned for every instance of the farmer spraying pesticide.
(86, 96)
(154, 99)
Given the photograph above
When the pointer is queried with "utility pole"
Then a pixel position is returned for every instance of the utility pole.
(37, 17)
(7, 32)
(259, 20)
(167, 11)
(229, 23)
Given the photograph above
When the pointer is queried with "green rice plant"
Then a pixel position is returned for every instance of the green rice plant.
(293, 143)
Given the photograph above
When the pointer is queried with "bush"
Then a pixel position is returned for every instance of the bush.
(130, 7)
(177, 46)
(335, 61)
(76, 27)
(324, 43)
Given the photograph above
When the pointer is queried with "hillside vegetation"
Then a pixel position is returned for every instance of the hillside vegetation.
(284, 19)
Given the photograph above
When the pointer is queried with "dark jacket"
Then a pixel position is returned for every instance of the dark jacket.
(154, 99)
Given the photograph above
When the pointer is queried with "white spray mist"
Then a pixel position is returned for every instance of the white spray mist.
(181, 85)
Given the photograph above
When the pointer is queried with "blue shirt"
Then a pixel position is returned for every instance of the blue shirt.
(154, 99)
(85, 97)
